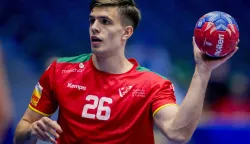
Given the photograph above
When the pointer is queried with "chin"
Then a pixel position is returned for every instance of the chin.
(99, 51)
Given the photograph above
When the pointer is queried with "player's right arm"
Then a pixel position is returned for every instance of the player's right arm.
(35, 126)
(35, 123)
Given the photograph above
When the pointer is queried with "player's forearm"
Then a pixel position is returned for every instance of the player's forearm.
(22, 134)
(190, 110)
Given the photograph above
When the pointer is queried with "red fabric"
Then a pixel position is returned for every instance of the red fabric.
(97, 107)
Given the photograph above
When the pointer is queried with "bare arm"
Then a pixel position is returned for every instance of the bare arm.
(35, 126)
(179, 124)
(23, 130)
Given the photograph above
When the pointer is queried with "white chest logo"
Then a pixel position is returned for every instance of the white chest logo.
(73, 86)
(124, 90)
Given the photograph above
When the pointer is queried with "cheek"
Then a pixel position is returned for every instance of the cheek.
(115, 35)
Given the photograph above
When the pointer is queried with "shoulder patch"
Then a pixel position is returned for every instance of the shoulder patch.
(143, 69)
(75, 59)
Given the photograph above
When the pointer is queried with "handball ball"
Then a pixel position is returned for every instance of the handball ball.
(216, 34)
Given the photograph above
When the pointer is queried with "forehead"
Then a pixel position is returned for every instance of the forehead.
(110, 12)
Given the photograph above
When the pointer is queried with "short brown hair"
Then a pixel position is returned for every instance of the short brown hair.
(127, 8)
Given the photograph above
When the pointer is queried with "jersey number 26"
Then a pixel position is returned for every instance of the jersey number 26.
(99, 105)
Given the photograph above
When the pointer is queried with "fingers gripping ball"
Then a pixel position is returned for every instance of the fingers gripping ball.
(216, 34)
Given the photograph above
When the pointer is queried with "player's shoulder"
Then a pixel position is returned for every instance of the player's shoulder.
(74, 59)
(150, 75)
(69, 63)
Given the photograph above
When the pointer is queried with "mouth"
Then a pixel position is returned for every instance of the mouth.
(95, 39)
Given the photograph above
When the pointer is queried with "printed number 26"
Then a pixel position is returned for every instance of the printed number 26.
(98, 104)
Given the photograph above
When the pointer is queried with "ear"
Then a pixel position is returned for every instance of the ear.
(128, 31)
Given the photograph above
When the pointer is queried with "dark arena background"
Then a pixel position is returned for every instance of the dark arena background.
(33, 33)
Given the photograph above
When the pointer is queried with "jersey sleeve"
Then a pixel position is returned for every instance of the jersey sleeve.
(43, 100)
(164, 96)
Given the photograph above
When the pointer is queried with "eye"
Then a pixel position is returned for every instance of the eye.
(106, 22)
(91, 21)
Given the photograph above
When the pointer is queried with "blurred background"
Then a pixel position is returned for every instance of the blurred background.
(34, 33)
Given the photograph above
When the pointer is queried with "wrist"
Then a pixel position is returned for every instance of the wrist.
(29, 135)
(201, 70)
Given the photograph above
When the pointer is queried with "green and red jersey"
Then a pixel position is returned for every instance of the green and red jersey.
(96, 107)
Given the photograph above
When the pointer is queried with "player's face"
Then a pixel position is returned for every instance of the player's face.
(106, 30)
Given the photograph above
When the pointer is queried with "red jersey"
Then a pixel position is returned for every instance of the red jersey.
(97, 107)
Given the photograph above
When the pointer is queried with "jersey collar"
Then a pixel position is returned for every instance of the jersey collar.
(132, 60)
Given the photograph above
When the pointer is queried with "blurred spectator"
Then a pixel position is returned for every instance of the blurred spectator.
(217, 87)
(236, 105)
(5, 104)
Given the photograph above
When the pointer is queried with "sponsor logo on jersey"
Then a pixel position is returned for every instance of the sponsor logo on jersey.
(37, 93)
(219, 45)
(81, 65)
(72, 71)
(138, 92)
(124, 90)
(73, 86)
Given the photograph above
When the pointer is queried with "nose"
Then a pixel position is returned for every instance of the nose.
(95, 28)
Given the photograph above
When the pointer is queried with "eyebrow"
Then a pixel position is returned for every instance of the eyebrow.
(102, 17)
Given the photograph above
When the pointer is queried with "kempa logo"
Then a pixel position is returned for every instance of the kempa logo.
(73, 71)
(219, 46)
(73, 86)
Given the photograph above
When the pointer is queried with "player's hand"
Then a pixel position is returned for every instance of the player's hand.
(205, 63)
(46, 130)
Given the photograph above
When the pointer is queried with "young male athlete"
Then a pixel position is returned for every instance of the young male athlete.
(105, 98)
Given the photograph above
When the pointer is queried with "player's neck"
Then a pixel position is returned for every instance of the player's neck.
(112, 64)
